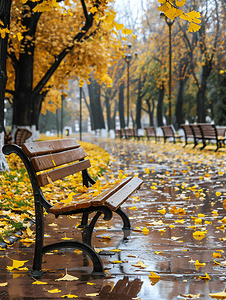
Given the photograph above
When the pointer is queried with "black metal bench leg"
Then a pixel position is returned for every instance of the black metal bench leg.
(37, 263)
(84, 222)
(126, 221)
(88, 231)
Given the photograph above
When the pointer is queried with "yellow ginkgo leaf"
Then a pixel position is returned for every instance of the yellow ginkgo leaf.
(193, 27)
(206, 277)
(158, 252)
(199, 235)
(66, 238)
(162, 231)
(140, 264)
(54, 291)
(92, 295)
(16, 264)
(145, 230)
(3, 283)
(91, 283)
(221, 295)
(127, 31)
(216, 255)
(118, 26)
(29, 231)
(67, 277)
(116, 262)
(180, 2)
(191, 296)
(69, 296)
(154, 276)
(162, 211)
(198, 264)
(218, 194)
(39, 282)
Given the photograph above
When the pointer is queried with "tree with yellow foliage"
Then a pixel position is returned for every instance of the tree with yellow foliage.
(50, 44)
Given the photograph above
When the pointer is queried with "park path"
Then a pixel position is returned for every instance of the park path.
(177, 218)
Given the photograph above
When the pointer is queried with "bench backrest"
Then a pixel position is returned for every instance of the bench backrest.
(187, 130)
(221, 131)
(150, 131)
(196, 130)
(129, 132)
(167, 131)
(21, 135)
(56, 159)
(208, 130)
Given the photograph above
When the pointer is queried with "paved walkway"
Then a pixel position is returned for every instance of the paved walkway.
(177, 219)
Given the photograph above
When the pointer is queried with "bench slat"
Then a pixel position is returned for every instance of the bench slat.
(100, 199)
(48, 161)
(46, 147)
(116, 200)
(59, 173)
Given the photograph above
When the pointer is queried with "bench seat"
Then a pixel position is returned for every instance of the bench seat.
(111, 198)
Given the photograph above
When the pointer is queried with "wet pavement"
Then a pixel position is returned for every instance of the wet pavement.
(177, 218)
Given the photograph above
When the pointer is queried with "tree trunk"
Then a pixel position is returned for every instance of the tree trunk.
(201, 105)
(121, 106)
(95, 105)
(139, 105)
(160, 105)
(179, 104)
(5, 6)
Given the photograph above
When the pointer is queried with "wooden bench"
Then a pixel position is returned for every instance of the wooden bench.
(21, 135)
(188, 133)
(48, 161)
(150, 132)
(210, 132)
(168, 132)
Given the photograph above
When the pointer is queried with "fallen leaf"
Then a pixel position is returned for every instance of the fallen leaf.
(145, 230)
(199, 235)
(3, 284)
(91, 283)
(66, 238)
(154, 276)
(67, 277)
(17, 264)
(162, 211)
(206, 277)
(216, 255)
(39, 282)
(54, 291)
(191, 296)
(140, 264)
(198, 264)
(221, 295)
(158, 252)
(92, 295)
(69, 296)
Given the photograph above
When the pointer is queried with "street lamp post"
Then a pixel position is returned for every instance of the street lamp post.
(128, 58)
(169, 23)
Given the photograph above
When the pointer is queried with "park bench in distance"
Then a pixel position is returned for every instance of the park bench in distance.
(20, 137)
(210, 132)
(168, 132)
(48, 161)
(188, 133)
(150, 132)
